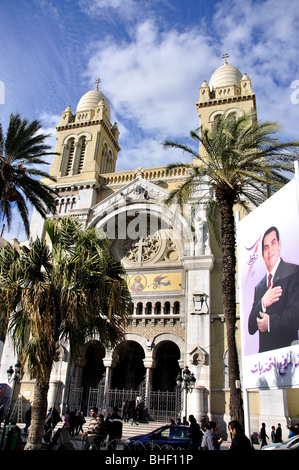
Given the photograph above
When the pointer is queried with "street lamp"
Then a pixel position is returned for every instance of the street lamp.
(14, 374)
(187, 383)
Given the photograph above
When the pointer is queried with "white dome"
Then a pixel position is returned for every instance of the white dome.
(91, 99)
(226, 75)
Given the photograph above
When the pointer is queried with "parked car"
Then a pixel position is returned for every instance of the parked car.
(291, 444)
(165, 437)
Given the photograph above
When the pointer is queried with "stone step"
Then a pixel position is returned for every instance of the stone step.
(129, 429)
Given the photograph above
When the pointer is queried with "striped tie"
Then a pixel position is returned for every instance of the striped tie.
(269, 281)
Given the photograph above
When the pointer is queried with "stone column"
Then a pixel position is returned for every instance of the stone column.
(198, 326)
(149, 365)
(109, 363)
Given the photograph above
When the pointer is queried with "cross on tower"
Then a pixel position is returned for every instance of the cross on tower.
(225, 56)
(98, 80)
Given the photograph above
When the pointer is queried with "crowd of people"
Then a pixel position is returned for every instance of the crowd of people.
(204, 436)
(102, 431)
(276, 434)
(108, 431)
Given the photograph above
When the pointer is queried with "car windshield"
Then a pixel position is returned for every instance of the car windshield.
(161, 433)
(293, 442)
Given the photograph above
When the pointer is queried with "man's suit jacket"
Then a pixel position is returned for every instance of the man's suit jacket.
(284, 314)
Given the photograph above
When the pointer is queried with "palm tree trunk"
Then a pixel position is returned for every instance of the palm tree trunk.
(229, 305)
(38, 414)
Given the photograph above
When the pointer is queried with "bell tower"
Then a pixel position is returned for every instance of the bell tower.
(86, 147)
(228, 91)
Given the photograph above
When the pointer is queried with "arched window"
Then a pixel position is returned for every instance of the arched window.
(167, 308)
(148, 308)
(176, 308)
(82, 154)
(158, 308)
(104, 159)
(70, 159)
(139, 308)
(109, 165)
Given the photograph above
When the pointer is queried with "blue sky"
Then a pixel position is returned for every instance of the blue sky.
(152, 56)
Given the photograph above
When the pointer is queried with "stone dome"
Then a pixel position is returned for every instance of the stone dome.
(90, 100)
(226, 75)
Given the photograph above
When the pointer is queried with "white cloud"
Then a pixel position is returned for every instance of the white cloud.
(153, 79)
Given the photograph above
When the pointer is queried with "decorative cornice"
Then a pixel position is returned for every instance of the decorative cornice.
(233, 99)
(139, 189)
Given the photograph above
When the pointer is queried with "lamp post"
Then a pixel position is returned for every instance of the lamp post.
(186, 382)
(13, 375)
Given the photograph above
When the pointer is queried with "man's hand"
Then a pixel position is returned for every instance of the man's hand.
(271, 296)
(263, 322)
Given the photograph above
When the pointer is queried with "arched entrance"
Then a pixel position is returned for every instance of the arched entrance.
(129, 371)
(133, 374)
(93, 370)
(167, 366)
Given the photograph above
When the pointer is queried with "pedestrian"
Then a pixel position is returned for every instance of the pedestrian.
(239, 440)
(91, 436)
(172, 422)
(80, 420)
(72, 422)
(203, 422)
(101, 431)
(210, 440)
(115, 426)
(179, 423)
(133, 413)
(66, 424)
(194, 433)
(293, 430)
(185, 422)
(278, 434)
(263, 435)
(273, 434)
(126, 409)
(138, 410)
(27, 419)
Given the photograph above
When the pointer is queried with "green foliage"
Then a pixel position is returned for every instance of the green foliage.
(242, 161)
(22, 156)
(71, 292)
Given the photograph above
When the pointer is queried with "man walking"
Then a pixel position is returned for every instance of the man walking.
(115, 427)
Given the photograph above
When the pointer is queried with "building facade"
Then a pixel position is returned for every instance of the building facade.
(171, 263)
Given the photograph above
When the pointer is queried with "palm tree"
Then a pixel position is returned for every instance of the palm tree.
(243, 162)
(72, 292)
(22, 154)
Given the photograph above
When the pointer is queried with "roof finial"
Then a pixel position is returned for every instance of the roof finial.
(98, 80)
(225, 56)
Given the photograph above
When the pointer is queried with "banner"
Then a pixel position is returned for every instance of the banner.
(268, 243)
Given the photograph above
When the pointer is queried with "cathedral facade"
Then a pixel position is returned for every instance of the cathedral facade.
(173, 268)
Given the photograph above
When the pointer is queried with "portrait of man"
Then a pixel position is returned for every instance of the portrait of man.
(275, 310)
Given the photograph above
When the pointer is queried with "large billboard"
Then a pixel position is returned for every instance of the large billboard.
(268, 244)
